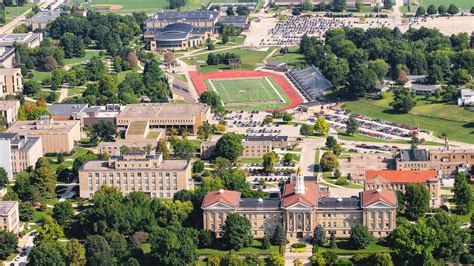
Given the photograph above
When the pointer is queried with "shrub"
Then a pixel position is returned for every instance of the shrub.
(298, 245)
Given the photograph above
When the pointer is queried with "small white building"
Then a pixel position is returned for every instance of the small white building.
(467, 97)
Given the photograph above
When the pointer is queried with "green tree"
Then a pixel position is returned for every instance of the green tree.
(183, 148)
(3, 178)
(269, 161)
(279, 237)
(329, 161)
(337, 150)
(332, 240)
(31, 87)
(321, 126)
(45, 255)
(404, 100)
(8, 242)
(442, 10)
(198, 166)
(26, 211)
(306, 130)
(49, 231)
(99, 251)
(461, 77)
(331, 142)
(229, 146)
(205, 131)
(388, 4)
(318, 259)
(432, 9)
(63, 212)
(266, 242)
(382, 259)
(162, 147)
(339, 5)
(319, 236)
(211, 98)
(453, 9)
(463, 194)
(104, 130)
(352, 125)
(420, 11)
(379, 67)
(118, 244)
(417, 199)
(74, 253)
(287, 117)
(268, 119)
(225, 39)
(360, 237)
(237, 233)
(179, 246)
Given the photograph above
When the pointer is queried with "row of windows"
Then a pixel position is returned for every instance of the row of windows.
(132, 174)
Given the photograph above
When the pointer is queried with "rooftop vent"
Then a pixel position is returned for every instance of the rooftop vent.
(339, 199)
(378, 190)
(221, 191)
(260, 200)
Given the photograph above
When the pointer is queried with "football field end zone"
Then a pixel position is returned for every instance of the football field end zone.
(198, 82)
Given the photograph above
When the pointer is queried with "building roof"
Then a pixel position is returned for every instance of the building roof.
(467, 93)
(183, 16)
(275, 63)
(310, 81)
(45, 16)
(236, 21)
(424, 88)
(67, 108)
(310, 197)
(10, 71)
(370, 197)
(158, 110)
(228, 197)
(339, 203)
(4, 105)
(267, 138)
(416, 155)
(252, 203)
(174, 32)
(57, 127)
(166, 165)
(9, 39)
(402, 176)
(6, 206)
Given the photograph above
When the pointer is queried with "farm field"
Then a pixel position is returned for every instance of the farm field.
(437, 117)
(262, 93)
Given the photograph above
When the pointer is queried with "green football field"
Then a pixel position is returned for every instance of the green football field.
(261, 93)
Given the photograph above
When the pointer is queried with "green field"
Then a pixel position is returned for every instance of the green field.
(449, 118)
(261, 93)
(462, 4)
(15, 11)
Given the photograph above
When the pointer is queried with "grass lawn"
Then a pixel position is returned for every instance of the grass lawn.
(330, 179)
(462, 4)
(74, 61)
(181, 77)
(295, 158)
(261, 93)
(251, 160)
(14, 11)
(359, 137)
(292, 58)
(196, 143)
(249, 59)
(440, 117)
(40, 75)
(344, 248)
(75, 91)
(255, 249)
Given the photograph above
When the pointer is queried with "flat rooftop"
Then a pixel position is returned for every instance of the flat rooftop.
(4, 105)
(57, 127)
(158, 110)
(10, 39)
(166, 165)
(183, 16)
(45, 16)
(267, 138)
(6, 206)
(10, 71)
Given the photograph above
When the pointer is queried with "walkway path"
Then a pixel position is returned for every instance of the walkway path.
(305, 257)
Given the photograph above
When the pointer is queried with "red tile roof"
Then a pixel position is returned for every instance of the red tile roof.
(310, 197)
(370, 197)
(228, 197)
(407, 176)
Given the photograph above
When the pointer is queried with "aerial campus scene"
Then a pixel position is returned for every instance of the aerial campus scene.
(237, 132)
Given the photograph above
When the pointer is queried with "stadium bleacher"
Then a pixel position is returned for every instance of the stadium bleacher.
(310, 82)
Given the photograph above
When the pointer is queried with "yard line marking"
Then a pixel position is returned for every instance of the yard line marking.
(277, 92)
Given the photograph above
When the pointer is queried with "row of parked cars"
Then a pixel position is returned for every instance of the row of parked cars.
(376, 147)
(361, 132)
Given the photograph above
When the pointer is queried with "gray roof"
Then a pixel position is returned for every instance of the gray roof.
(174, 32)
(467, 92)
(182, 16)
(267, 138)
(237, 21)
(45, 16)
(67, 109)
(419, 155)
(422, 87)
(275, 63)
(5, 206)
(310, 81)
(339, 203)
(245, 203)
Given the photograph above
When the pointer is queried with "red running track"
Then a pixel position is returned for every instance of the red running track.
(198, 81)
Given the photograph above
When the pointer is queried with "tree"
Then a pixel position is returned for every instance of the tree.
(3, 178)
(420, 11)
(198, 166)
(211, 98)
(178, 245)
(229, 146)
(31, 87)
(463, 194)
(306, 130)
(242, 11)
(205, 131)
(287, 117)
(388, 4)
(337, 150)
(75, 253)
(339, 5)
(379, 67)
(63, 212)
(318, 259)
(25, 210)
(45, 255)
(360, 237)
(266, 242)
(8, 242)
(404, 100)
(118, 244)
(360, 81)
(230, 11)
(432, 10)
(99, 251)
(183, 148)
(206, 238)
(321, 126)
(442, 10)
(453, 9)
(352, 125)
(269, 161)
(225, 39)
(237, 233)
(461, 77)
(472, 10)
(329, 161)
(332, 240)
(169, 58)
(72, 45)
(174, 4)
(382, 259)
(279, 237)
(104, 130)
(268, 119)
(331, 142)
(417, 199)
(50, 230)
(319, 236)
(162, 147)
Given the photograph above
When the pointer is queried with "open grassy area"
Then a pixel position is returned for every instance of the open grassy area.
(12, 12)
(75, 91)
(462, 4)
(249, 59)
(343, 248)
(292, 58)
(74, 61)
(255, 248)
(457, 122)
(251, 160)
(328, 177)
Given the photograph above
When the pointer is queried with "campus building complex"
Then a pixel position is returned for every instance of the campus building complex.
(136, 171)
(302, 206)
(57, 136)
(317, 2)
(139, 117)
(9, 111)
(18, 152)
(9, 216)
(10, 81)
(398, 180)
